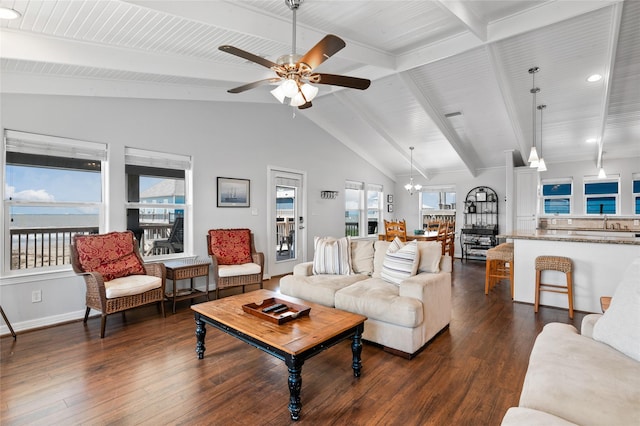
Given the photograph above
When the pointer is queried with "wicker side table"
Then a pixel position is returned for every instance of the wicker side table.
(186, 269)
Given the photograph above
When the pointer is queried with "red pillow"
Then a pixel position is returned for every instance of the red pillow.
(230, 246)
(112, 255)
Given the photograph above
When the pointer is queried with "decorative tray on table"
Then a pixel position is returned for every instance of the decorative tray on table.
(276, 310)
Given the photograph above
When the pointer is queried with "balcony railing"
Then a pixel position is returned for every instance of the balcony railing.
(50, 246)
(40, 247)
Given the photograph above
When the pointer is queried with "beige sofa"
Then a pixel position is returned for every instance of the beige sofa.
(402, 318)
(592, 378)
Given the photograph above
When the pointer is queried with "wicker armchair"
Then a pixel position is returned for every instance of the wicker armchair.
(115, 275)
(235, 261)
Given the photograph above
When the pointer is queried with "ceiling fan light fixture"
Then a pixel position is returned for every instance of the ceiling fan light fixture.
(309, 91)
(298, 100)
(289, 88)
(278, 93)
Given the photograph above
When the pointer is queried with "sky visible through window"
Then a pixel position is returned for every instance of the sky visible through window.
(52, 185)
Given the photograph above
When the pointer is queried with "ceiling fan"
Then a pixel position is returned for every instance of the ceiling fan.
(295, 72)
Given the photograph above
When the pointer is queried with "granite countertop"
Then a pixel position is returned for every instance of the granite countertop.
(580, 236)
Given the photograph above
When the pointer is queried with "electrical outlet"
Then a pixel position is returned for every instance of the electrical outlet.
(36, 296)
(569, 221)
(554, 222)
(636, 222)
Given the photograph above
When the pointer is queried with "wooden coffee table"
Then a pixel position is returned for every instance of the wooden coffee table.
(293, 342)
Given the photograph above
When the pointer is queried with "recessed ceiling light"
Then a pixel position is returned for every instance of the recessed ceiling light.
(591, 140)
(594, 77)
(8, 13)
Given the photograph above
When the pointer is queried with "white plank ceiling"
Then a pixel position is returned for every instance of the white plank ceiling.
(426, 60)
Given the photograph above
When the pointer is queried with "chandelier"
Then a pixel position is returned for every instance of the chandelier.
(411, 187)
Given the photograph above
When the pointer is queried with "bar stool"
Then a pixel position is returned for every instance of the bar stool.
(499, 265)
(554, 263)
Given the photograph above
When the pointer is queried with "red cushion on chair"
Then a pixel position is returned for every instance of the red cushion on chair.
(112, 255)
(230, 246)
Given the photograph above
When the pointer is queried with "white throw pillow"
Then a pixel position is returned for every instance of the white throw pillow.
(430, 254)
(362, 256)
(332, 256)
(619, 326)
(400, 261)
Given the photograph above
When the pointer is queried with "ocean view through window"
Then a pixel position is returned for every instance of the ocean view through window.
(53, 190)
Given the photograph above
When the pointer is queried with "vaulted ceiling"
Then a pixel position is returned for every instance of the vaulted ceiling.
(449, 77)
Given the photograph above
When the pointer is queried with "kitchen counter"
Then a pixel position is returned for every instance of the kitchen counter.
(599, 261)
(578, 235)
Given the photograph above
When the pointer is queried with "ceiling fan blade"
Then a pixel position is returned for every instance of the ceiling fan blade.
(248, 56)
(344, 81)
(305, 105)
(326, 48)
(249, 86)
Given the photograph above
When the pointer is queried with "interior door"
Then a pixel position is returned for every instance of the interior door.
(286, 220)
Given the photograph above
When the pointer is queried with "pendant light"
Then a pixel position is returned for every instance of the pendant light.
(601, 172)
(533, 155)
(542, 167)
(410, 187)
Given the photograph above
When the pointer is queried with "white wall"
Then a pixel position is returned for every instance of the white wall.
(224, 140)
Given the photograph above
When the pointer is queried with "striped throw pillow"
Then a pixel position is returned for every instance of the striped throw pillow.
(332, 256)
(400, 261)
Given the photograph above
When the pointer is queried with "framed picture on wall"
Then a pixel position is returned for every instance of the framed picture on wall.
(233, 192)
(389, 198)
(390, 208)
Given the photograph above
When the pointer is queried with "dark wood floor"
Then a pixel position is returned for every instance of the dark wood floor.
(145, 371)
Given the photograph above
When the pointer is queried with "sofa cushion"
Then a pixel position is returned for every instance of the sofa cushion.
(332, 256)
(362, 256)
(317, 288)
(380, 251)
(131, 285)
(581, 380)
(112, 255)
(430, 254)
(519, 416)
(400, 261)
(378, 299)
(619, 326)
(230, 246)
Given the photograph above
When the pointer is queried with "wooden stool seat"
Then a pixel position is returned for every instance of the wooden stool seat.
(554, 263)
(499, 265)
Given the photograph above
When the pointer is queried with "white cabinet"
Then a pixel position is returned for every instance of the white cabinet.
(526, 186)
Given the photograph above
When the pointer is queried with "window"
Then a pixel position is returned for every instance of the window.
(157, 200)
(557, 196)
(601, 196)
(53, 190)
(374, 206)
(438, 203)
(354, 201)
(636, 193)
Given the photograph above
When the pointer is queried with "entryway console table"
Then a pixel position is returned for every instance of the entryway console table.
(480, 223)
(186, 269)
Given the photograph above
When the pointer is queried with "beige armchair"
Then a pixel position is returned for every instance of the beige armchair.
(235, 261)
(115, 275)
